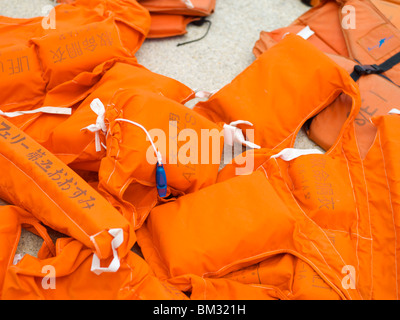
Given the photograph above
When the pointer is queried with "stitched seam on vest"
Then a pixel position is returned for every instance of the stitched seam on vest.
(316, 248)
(128, 286)
(32, 119)
(311, 220)
(296, 254)
(358, 214)
(15, 247)
(115, 166)
(315, 224)
(369, 209)
(347, 122)
(265, 172)
(391, 205)
(108, 180)
(349, 233)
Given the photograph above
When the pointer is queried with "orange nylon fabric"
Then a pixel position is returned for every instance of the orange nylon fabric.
(68, 140)
(57, 196)
(66, 54)
(295, 224)
(60, 68)
(146, 94)
(127, 173)
(375, 39)
(169, 25)
(65, 272)
(9, 236)
(227, 105)
(90, 56)
(20, 72)
(121, 162)
(305, 225)
(170, 18)
(36, 58)
(182, 7)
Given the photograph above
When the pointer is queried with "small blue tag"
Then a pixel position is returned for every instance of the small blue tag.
(161, 180)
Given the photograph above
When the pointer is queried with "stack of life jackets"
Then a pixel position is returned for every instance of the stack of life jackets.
(303, 224)
(78, 133)
(38, 57)
(296, 224)
(362, 36)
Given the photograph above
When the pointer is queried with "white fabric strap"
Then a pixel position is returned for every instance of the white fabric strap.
(49, 110)
(98, 108)
(188, 4)
(292, 153)
(233, 135)
(17, 258)
(158, 153)
(118, 235)
(394, 111)
(306, 33)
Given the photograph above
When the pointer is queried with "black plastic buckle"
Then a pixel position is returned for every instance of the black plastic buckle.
(367, 69)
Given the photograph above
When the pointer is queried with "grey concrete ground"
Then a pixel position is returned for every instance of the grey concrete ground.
(206, 65)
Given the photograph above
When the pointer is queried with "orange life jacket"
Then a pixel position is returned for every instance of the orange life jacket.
(98, 141)
(64, 270)
(170, 18)
(68, 139)
(37, 181)
(128, 173)
(35, 58)
(70, 130)
(303, 224)
(60, 67)
(370, 51)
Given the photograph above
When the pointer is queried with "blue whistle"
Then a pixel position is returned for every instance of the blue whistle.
(161, 180)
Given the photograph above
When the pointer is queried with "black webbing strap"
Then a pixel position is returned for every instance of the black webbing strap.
(390, 63)
(361, 70)
(198, 23)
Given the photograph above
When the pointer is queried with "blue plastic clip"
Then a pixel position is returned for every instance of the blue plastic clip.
(161, 180)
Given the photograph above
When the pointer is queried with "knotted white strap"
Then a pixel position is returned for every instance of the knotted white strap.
(50, 110)
(118, 235)
(305, 33)
(292, 153)
(188, 3)
(233, 135)
(394, 111)
(98, 108)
